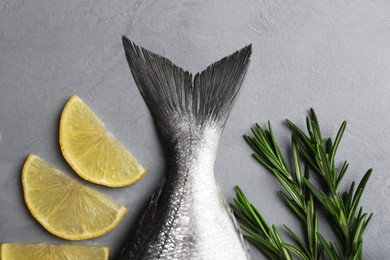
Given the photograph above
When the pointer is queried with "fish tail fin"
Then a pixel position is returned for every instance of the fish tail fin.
(216, 88)
(175, 99)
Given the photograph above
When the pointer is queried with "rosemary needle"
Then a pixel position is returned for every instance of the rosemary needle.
(317, 155)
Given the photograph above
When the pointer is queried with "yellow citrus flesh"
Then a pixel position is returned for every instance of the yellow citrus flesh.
(92, 151)
(19, 251)
(63, 206)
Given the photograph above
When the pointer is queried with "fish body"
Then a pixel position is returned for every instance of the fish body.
(187, 217)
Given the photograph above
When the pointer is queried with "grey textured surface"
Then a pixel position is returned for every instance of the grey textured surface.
(330, 55)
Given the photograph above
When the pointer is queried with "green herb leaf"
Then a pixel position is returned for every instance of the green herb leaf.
(300, 195)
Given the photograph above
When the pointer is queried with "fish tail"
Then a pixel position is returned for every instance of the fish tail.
(176, 98)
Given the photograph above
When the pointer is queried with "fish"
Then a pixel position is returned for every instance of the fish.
(187, 217)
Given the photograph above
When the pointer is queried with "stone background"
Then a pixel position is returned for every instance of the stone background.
(330, 55)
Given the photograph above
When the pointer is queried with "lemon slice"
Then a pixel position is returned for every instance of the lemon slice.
(92, 151)
(63, 206)
(19, 251)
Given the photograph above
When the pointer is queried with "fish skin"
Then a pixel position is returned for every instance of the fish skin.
(187, 217)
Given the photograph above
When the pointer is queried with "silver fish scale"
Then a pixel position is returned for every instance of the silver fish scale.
(177, 240)
(169, 235)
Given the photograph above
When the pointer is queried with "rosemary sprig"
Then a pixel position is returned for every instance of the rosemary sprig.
(257, 230)
(318, 155)
(341, 207)
(296, 195)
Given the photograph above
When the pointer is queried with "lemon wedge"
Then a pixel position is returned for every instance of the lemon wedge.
(63, 206)
(92, 151)
(19, 251)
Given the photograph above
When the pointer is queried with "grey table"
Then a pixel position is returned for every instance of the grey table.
(330, 55)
